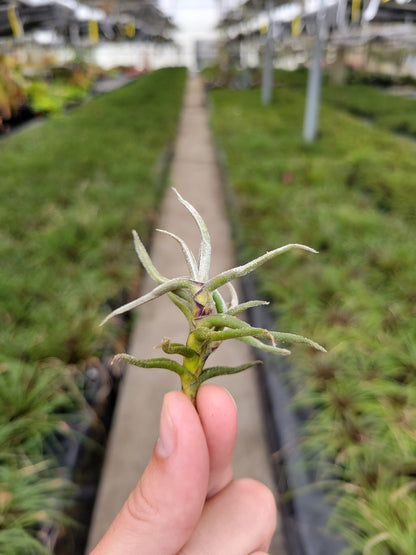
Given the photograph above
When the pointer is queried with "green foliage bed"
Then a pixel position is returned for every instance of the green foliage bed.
(378, 105)
(351, 196)
(375, 104)
(71, 191)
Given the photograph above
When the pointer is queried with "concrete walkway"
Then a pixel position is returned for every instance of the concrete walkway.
(135, 426)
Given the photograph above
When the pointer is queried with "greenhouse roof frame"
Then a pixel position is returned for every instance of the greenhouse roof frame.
(250, 16)
(146, 20)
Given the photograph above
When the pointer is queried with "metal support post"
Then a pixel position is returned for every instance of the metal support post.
(313, 94)
(314, 86)
(267, 74)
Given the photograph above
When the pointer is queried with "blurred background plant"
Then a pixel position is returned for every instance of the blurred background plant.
(69, 199)
(45, 89)
(348, 195)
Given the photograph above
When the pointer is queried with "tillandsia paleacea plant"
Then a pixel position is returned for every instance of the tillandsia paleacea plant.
(210, 318)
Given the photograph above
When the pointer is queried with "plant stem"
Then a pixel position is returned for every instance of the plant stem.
(190, 387)
(194, 365)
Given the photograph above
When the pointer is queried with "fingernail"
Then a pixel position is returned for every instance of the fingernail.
(232, 398)
(166, 442)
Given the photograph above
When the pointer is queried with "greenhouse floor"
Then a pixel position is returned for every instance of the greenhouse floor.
(195, 174)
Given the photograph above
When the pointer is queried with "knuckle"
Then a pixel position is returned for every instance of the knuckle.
(140, 506)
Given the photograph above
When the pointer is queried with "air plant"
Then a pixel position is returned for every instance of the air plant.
(210, 318)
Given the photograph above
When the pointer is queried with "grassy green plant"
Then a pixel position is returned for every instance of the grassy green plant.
(366, 96)
(34, 403)
(390, 112)
(63, 195)
(350, 196)
(210, 319)
(31, 500)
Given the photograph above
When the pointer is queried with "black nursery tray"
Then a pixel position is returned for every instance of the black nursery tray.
(304, 509)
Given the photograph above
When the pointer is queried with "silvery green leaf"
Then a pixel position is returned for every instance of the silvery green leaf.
(244, 306)
(215, 371)
(243, 329)
(294, 338)
(265, 334)
(254, 342)
(170, 285)
(145, 259)
(223, 321)
(177, 349)
(204, 259)
(189, 257)
(239, 271)
(225, 334)
(166, 363)
(220, 304)
(234, 296)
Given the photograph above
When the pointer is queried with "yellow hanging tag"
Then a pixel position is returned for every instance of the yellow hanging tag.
(93, 31)
(14, 21)
(355, 10)
(296, 26)
(130, 28)
(264, 28)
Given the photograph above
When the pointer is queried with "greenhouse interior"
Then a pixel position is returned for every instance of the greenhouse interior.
(253, 204)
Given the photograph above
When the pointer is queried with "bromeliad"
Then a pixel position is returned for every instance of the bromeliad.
(211, 319)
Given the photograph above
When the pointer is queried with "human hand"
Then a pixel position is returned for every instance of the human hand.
(187, 502)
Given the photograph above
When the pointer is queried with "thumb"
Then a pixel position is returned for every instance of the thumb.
(165, 506)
